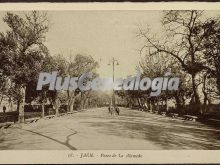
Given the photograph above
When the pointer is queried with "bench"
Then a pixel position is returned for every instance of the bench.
(2, 125)
(62, 114)
(215, 120)
(32, 120)
(173, 115)
(156, 112)
(50, 116)
(163, 113)
(6, 125)
(189, 117)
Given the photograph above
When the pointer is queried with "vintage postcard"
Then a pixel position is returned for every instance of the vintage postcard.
(110, 82)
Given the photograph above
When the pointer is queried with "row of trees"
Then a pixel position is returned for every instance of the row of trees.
(23, 55)
(189, 46)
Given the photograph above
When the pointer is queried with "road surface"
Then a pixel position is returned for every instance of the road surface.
(96, 129)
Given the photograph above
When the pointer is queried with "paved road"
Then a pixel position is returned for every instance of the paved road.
(96, 129)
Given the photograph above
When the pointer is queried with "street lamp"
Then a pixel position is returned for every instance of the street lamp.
(113, 62)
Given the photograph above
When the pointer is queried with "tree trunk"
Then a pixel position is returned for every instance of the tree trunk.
(83, 100)
(195, 93)
(10, 104)
(218, 76)
(130, 103)
(56, 108)
(166, 104)
(127, 102)
(71, 100)
(55, 103)
(153, 105)
(177, 99)
(195, 102)
(42, 106)
(20, 104)
(86, 103)
(139, 103)
(149, 105)
(1, 98)
(43, 103)
(70, 104)
(205, 101)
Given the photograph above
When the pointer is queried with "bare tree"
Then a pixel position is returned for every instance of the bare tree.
(180, 43)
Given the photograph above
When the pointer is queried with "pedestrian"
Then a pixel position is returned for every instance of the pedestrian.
(110, 109)
(4, 109)
(117, 110)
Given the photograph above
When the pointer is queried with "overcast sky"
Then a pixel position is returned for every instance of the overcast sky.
(101, 34)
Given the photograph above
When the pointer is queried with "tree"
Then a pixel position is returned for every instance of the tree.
(22, 52)
(209, 31)
(180, 43)
(76, 67)
(54, 63)
(157, 66)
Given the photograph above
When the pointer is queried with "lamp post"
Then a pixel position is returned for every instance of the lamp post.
(113, 62)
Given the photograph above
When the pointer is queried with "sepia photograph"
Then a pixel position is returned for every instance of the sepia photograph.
(110, 80)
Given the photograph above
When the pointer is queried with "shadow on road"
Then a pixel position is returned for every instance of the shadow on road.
(167, 134)
(66, 143)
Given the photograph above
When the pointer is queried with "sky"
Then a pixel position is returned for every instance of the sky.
(101, 34)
